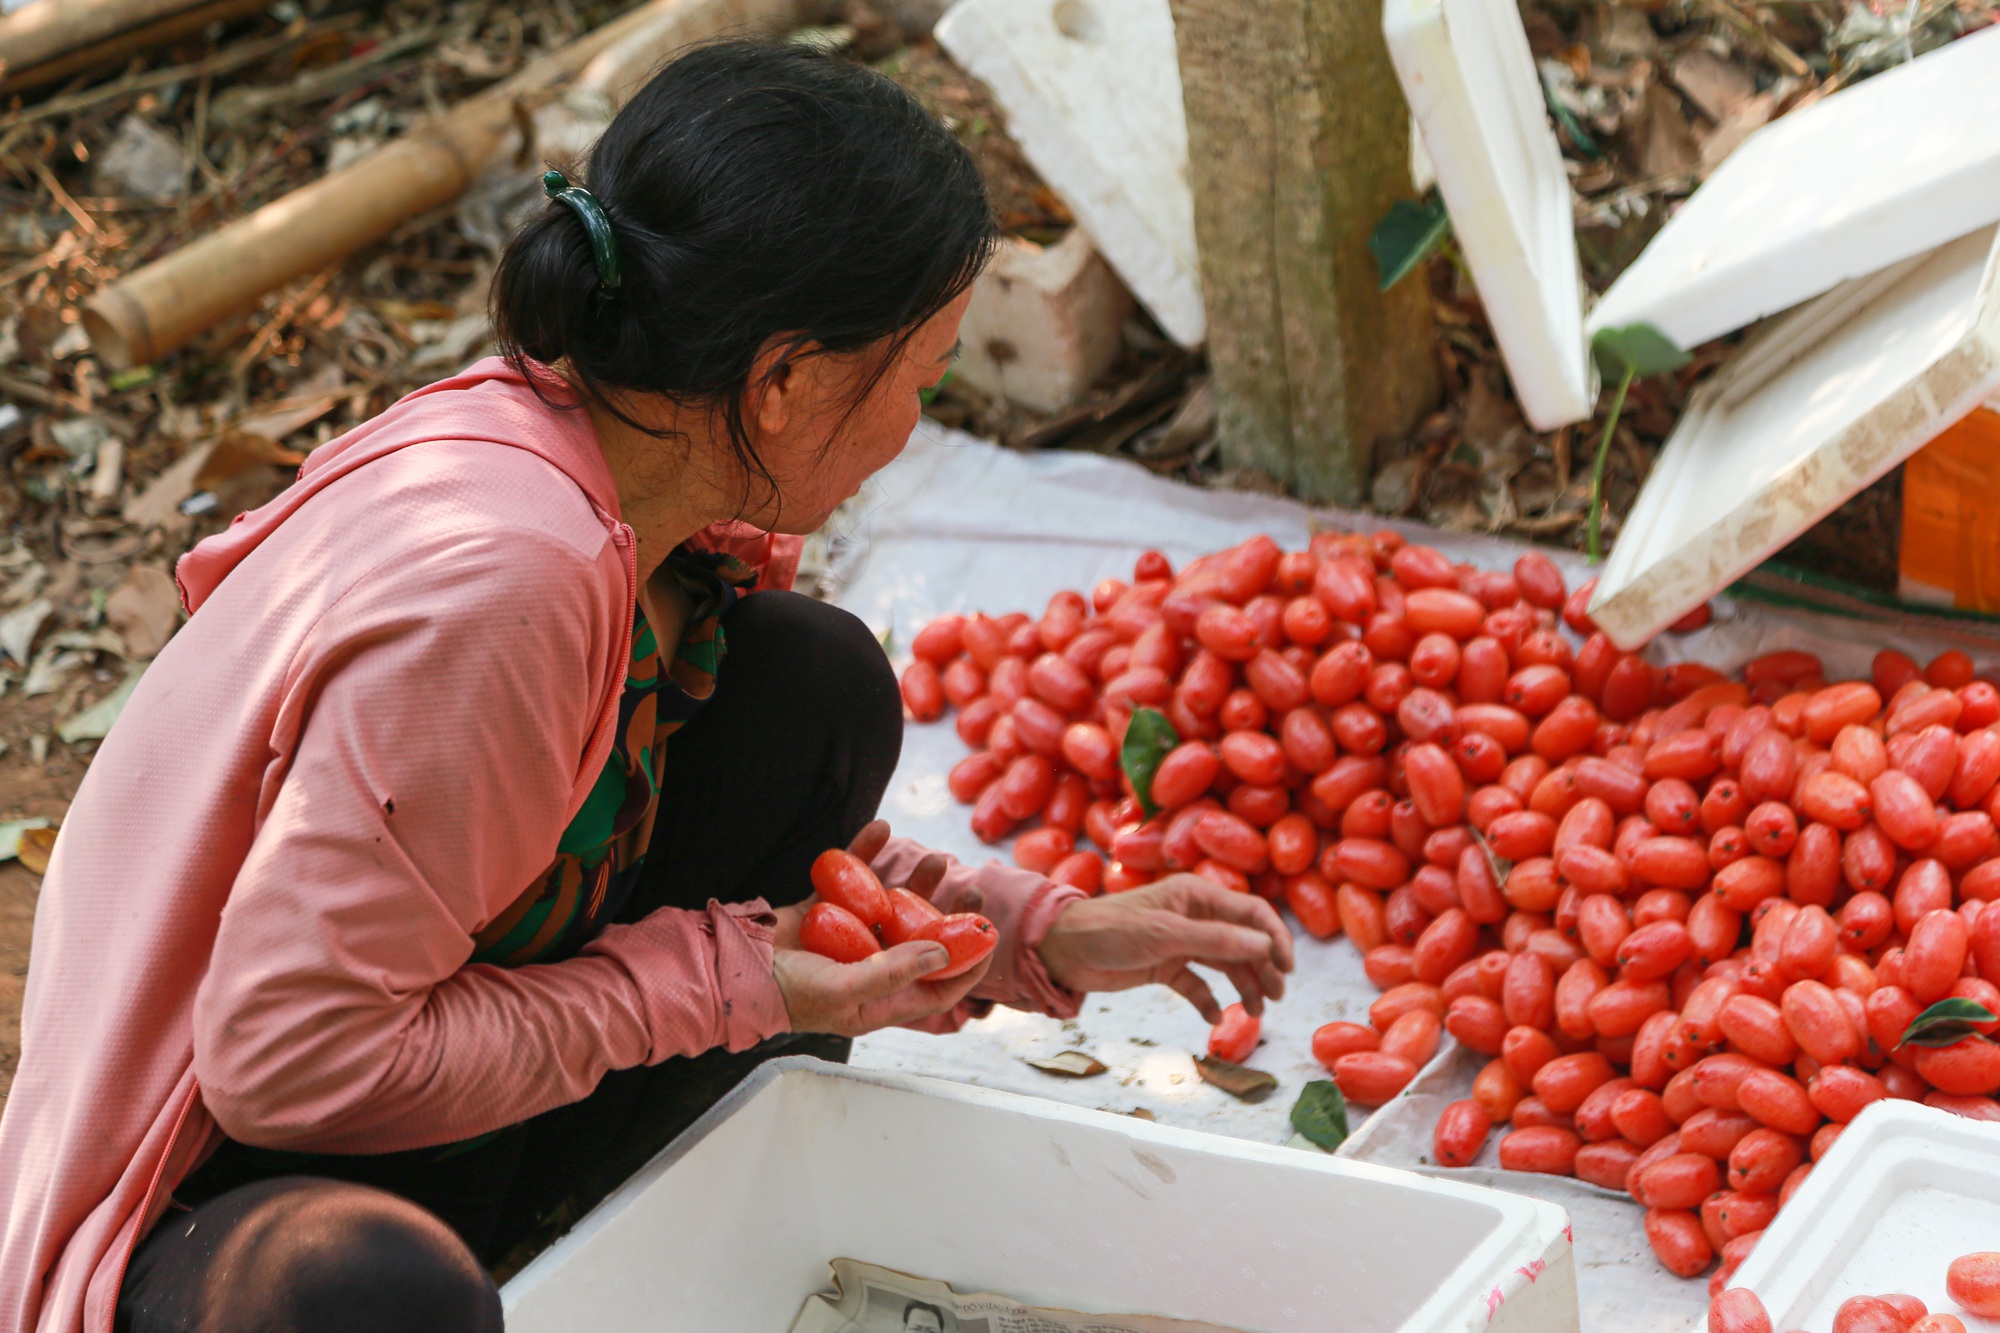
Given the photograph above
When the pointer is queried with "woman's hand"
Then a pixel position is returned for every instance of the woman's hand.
(1152, 934)
(849, 999)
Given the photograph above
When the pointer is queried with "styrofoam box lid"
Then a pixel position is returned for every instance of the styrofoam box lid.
(733, 1225)
(1873, 174)
(1471, 83)
(1092, 92)
(1904, 1191)
(1812, 409)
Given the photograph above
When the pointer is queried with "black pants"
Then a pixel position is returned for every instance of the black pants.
(791, 756)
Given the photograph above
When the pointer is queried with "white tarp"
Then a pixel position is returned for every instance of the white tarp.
(957, 525)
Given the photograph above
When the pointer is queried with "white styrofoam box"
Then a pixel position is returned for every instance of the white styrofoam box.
(1816, 407)
(1471, 84)
(1873, 174)
(1092, 92)
(1905, 1190)
(733, 1225)
(1044, 322)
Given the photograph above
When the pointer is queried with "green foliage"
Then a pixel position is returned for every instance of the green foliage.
(1148, 740)
(1406, 236)
(1637, 350)
(1947, 1023)
(1623, 354)
(1320, 1114)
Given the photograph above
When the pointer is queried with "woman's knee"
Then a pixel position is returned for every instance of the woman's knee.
(313, 1256)
(828, 662)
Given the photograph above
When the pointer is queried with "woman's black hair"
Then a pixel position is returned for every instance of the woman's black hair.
(756, 191)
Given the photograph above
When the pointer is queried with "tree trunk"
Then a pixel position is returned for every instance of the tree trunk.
(1298, 142)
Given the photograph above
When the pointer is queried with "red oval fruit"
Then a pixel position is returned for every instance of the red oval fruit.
(969, 937)
(908, 915)
(1868, 1314)
(844, 879)
(1973, 1280)
(1235, 1037)
(834, 932)
(1738, 1310)
(1461, 1132)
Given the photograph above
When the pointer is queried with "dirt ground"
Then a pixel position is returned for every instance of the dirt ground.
(27, 790)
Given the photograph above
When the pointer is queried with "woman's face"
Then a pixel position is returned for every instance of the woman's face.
(820, 444)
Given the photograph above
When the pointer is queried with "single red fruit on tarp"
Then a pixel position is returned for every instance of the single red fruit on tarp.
(844, 879)
(834, 932)
(969, 936)
(1235, 1037)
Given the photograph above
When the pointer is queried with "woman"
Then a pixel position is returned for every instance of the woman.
(449, 859)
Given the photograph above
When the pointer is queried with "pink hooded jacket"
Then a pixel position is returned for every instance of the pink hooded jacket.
(398, 684)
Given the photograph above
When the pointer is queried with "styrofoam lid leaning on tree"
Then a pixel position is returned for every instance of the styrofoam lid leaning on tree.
(1905, 1190)
(1092, 92)
(1813, 408)
(1471, 83)
(1890, 168)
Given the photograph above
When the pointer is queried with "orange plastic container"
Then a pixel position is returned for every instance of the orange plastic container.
(1951, 517)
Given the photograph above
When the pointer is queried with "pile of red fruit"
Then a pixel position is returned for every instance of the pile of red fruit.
(1973, 1280)
(856, 917)
(1690, 919)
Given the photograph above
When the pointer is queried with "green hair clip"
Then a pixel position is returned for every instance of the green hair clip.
(596, 223)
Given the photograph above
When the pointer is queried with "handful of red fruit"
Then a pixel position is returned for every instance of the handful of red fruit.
(1694, 922)
(856, 917)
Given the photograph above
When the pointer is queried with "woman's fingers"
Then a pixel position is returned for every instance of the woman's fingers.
(1247, 910)
(868, 843)
(1217, 943)
(884, 974)
(921, 1000)
(1250, 987)
(928, 875)
(1196, 992)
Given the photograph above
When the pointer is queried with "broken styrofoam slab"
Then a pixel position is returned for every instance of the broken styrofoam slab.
(1470, 80)
(1817, 406)
(1044, 322)
(1877, 173)
(1092, 92)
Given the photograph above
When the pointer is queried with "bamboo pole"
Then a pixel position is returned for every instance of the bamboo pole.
(50, 28)
(150, 312)
(50, 40)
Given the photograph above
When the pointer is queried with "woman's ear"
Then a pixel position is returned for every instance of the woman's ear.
(786, 384)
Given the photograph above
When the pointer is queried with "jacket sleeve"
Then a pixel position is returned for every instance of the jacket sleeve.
(431, 750)
(1022, 905)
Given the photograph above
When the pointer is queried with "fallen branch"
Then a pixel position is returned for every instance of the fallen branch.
(149, 313)
(233, 57)
(50, 40)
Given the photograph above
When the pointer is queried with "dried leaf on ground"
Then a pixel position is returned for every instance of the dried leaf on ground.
(34, 848)
(1070, 1064)
(94, 723)
(1663, 142)
(1719, 87)
(10, 835)
(19, 628)
(145, 609)
(1238, 1081)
